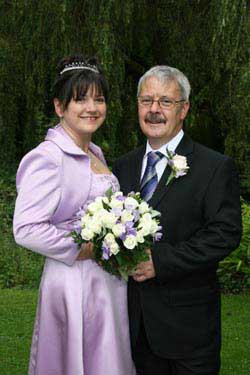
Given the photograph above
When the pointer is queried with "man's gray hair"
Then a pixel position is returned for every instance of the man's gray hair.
(166, 74)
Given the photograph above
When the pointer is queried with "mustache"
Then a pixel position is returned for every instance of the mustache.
(155, 118)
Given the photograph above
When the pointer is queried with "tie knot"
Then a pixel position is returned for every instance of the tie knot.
(154, 157)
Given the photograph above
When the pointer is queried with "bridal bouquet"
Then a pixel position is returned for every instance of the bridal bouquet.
(121, 229)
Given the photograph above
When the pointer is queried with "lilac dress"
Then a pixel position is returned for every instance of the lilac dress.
(81, 326)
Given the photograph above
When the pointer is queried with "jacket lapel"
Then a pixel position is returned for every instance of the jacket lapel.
(135, 168)
(184, 148)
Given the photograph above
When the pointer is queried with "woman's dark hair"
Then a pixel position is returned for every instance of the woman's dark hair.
(74, 83)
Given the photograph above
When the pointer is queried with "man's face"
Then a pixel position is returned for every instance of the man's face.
(160, 125)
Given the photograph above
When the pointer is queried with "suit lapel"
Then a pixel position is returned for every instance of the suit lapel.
(136, 166)
(184, 148)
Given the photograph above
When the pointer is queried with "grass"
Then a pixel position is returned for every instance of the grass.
(17, 311)
(236, 335)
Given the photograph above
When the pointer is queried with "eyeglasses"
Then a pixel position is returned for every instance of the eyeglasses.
(163, 102)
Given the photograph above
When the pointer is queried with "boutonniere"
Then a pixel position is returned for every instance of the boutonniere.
(178, 165)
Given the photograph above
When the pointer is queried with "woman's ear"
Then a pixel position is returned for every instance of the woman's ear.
(58, 108)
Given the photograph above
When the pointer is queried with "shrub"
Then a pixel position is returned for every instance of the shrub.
(234, 271)
(22, 268)
(19, 267)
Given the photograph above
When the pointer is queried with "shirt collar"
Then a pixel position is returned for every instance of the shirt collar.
(171, 145)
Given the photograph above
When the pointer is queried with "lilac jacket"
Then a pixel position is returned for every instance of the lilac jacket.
(53, 182)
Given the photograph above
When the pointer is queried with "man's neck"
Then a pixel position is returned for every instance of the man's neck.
(172, 143)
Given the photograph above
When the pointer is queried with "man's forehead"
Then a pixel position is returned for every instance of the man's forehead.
(154, 84)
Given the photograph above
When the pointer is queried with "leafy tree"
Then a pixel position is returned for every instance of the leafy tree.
(207, 40)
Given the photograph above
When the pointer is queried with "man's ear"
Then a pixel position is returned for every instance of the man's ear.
(58, 107)
(184, 110)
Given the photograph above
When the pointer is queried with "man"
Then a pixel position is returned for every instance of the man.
(174, 297)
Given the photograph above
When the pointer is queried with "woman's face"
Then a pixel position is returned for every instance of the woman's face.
(83, 117)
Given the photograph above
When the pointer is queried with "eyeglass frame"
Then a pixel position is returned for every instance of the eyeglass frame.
(172, 102)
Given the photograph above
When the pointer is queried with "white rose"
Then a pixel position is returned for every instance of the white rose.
(114, 248)
(126, 216)
(94, 226)
(180, 162)
(130, 242)
(115, 203)
(146, 218)
(87, 234)
(154, 213)
(145, 228)
(98, 215)
(109, 238)
(99, 200)
(118, 229)
(154, 227)
(85, 219)
(105, 200)
(139, 236)
(145, 224)
(108, 219)
(118, 194)
(143, 207)
(131, 203)
(95, 206)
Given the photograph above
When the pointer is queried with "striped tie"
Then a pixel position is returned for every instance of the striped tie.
(149, 180)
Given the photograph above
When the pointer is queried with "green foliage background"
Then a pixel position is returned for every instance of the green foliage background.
(22, 268)
(208, 40)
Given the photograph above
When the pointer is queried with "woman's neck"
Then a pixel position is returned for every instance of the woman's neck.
(81, 141)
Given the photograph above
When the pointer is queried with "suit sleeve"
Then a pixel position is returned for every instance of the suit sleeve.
(39, 193)
(217, 237)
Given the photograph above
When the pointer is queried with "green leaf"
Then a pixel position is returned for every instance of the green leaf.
(123, 274)
(170, 177)
(109, 193)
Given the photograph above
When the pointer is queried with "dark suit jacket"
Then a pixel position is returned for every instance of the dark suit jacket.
(201, 220)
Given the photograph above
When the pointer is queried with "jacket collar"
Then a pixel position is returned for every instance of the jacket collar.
(58, 136)
(185, 147)
(136, 165)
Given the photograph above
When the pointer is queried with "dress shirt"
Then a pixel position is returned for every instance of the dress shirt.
(161, 165)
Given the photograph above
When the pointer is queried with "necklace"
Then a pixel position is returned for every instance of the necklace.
(92, 159)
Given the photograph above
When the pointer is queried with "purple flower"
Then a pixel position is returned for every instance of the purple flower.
(105, 251)
(157, 236)
(123, 236)
(121, 198)
(77, 226)
(180, 173)
(136, 215)
(131, 232)
(80, 213)
(129, 224)
(130, 229)
(129, 207)
(116, 211)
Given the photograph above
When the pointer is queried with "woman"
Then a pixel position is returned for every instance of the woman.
(81, 326)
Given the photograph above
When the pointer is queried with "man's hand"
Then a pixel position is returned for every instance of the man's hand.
(144, 270)
(86, 251)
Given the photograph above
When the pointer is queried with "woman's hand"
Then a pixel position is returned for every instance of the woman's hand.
(86, 251)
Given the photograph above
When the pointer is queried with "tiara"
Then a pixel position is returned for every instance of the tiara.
(79, 65)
